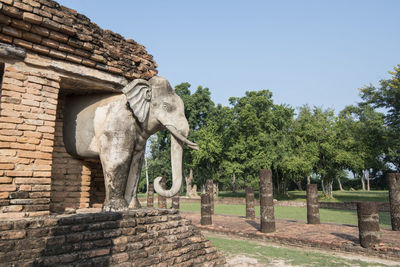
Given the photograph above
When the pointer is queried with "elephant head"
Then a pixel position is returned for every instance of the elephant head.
(156, 106)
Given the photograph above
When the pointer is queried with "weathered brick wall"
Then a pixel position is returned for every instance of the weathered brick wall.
(37, 175)
(28, 111)
(97, 187)
(147, 237)
(46, 28)
(71, 178)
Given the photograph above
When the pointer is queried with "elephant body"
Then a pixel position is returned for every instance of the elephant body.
(115, 128)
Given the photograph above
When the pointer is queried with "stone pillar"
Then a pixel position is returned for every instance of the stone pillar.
(250, 213)
(394, 197)
(266, 202)
(312, 204)
(210, 192)
(162, 201)
(175, 202)
(206, 218)
(368, 224)
(150, 196)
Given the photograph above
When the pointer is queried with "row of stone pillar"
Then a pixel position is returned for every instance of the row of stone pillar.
(367, 212)
(368, 216)
(162, 201)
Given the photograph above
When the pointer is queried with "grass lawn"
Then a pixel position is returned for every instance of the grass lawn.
(292, 213)
(338, 196)
(283, 256)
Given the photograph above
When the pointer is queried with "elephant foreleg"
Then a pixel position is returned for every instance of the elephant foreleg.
(133, 180)
(115, 157)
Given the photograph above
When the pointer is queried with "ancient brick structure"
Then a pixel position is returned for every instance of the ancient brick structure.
(368, 224)
(312, 204)
(250, 212)
(162, 201)
(210, 192)
(47, 52)
(147, 237)
(206, 215)
(267, 216)
(150, 196)
(394, 197)
(175, 202)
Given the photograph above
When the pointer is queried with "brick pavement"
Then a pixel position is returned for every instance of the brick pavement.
(342, 237)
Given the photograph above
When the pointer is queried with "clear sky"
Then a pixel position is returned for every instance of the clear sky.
(306, 52)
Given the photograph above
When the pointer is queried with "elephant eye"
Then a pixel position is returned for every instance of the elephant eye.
(166, 107)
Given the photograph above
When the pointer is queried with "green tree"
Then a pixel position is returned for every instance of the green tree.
(256, 137)
(365, 128)
(387, 96)
(304, 155)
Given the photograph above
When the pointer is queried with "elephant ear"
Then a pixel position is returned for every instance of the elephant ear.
(138, 94)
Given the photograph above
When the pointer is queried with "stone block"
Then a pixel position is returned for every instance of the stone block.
(13, 234)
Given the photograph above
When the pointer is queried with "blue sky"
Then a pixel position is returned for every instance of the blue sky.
(305, 52)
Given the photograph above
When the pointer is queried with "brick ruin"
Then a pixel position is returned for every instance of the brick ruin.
(48, 51)
(136, 238)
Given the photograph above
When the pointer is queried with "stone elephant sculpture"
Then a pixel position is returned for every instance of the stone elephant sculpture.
(115, 128)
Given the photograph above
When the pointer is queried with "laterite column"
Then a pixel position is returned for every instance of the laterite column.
(312, 204)
(368, 224)
(206, 218)
(175, 202)
(266, 202)
(394, 197)
(250, 213)
(150, 196)
(210, 192)
(162, 201)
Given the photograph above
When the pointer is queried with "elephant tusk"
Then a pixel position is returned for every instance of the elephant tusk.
(180, 137)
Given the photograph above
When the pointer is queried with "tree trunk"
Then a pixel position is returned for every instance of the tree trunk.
(367, 178)
(298, 183)
(340, 183)
(323, 185)
(189, 181)
(330, 189)
(234, 183)
(362, 182)
(308, 179)
(147, 174)
(284, 186)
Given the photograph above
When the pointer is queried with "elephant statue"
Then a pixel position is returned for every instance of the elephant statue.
(115, 128)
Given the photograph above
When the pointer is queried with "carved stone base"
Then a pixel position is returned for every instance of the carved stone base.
(133, 238)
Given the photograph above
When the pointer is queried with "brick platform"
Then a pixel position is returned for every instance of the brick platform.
(146, 237)
(327, 235)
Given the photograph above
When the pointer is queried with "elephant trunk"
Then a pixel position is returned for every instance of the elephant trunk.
(176, 164)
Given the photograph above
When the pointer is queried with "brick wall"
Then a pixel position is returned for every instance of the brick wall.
(136, 238)
(74, 181)
(27, 125)
(46, 28)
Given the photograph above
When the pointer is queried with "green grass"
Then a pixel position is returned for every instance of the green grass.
(267, 254)
(292, 213)
(338, 196)
(345, 196)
